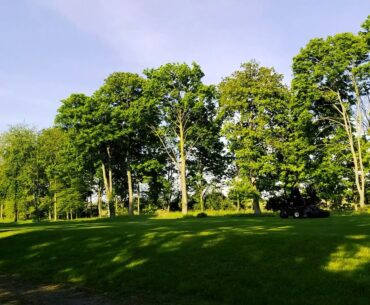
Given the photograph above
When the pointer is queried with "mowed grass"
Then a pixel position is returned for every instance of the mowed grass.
(215, 260)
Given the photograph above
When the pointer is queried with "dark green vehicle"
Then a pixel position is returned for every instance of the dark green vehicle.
(310, 211)
(297, 206)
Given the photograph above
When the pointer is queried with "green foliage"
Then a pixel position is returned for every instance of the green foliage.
(165, 140)
(188, 114)
(34, 168)
(254, 103)
(331, 83)
(17, 155)
(111, 128)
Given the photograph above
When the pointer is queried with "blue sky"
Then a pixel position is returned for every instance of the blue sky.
(52, 48)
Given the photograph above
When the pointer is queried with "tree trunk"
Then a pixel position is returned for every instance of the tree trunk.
(256, 198)
(107, 178)
(202, 198)
(115, 204)
(359, 122)
(55, 207)
(99, 203)
(16, 204)
(238, 202)
(184, 192)
(1, 211)
(110, 201)
(359, 177)
(37, 206)
(201, 202)
(138, 198)
(256, 205)
(130, 193)
(91, 207)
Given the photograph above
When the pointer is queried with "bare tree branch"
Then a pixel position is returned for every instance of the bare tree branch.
(168, 149)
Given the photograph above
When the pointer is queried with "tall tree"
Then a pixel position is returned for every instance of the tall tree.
(51, 143)
(64, 173)
(181, 98)
(112, 127)
(207, 163)
(123, 95)
(332, 78)
(90, 124)
(254, 103)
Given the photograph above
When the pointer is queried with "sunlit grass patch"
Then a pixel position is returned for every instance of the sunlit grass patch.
(349, 258)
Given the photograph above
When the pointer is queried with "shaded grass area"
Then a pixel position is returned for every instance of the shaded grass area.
(215, 260)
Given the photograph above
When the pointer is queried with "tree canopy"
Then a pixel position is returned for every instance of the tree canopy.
(165, 139)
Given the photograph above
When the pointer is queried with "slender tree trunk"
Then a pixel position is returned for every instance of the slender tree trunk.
(37, 206)
(91, 207)
(256, 205)
(38, 216)
(138, 198)
(107, 177)
(99, 203)
(256, 198)
(15, 212)
(238, 202)
(130, 193)
(1, 211)
(16, 204)
(115, 204)
(359, 122)
(55, 207)
(201, 202)
(359, 175)
(67, 215)
(108, 182)
(111, 207)
(184, 192)
(202, 198)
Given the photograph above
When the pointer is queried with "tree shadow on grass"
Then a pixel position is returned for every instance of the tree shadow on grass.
(218, 260)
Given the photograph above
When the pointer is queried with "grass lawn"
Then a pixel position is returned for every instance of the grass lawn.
(215, 260)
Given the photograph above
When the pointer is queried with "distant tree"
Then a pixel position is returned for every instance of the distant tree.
(51, 143)
(4, 185)
(18, 146)
(65, 176)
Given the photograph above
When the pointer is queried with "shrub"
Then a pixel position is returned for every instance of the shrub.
(202, 215)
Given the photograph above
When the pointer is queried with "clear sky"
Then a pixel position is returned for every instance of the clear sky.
(52, 48)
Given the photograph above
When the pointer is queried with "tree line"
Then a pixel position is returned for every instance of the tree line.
(164, 139)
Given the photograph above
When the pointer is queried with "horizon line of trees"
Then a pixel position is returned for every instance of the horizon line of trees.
(166, 140)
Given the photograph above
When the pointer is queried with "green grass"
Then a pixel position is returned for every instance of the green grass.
(215, 260)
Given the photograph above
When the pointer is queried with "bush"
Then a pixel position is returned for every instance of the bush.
(202, 215)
